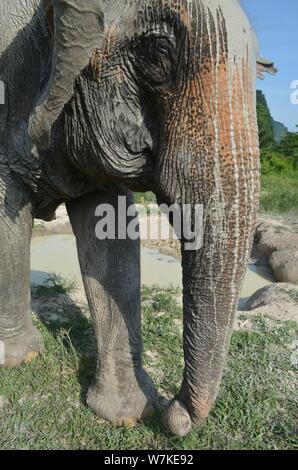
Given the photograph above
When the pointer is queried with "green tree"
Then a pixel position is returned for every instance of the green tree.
(265, 122)
(274, 162)
(289, 146)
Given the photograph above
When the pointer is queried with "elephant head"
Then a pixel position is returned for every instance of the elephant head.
(165, 100)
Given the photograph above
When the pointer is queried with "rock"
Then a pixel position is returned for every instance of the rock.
(152, 355)
(3, 403)
(279, 301)
(275, 236)
(246, 324)
(285, 266)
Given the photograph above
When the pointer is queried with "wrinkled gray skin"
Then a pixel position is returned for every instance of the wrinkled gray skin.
(165, 103)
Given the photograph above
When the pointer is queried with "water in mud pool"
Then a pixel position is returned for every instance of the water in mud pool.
(57, 254)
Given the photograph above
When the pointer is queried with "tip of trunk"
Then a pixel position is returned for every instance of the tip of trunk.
(176, 419)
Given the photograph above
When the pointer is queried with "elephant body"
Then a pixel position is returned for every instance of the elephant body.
(104, 98)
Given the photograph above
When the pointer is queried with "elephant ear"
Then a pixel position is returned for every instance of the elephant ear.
(78, 28)
(265, 66)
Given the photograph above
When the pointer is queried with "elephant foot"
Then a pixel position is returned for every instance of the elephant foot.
(176, 419)
(21, 349)
(124, 403)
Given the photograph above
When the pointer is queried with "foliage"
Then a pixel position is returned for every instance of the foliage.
(279, 194)
(265, 122)
(275, 157)
(145, 198)
(289, 147)
(55, 284)
(275, 162)
(279, 162)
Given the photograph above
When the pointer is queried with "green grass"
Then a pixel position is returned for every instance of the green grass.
(55, 285)
(145, 198)
(44, 401)
(280, 194)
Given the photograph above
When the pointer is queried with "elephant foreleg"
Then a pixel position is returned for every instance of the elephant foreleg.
(19, 340)
(122, 392)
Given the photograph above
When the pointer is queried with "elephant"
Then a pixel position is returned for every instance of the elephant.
(104, 98)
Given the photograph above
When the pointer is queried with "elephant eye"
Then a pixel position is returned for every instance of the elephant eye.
(155, 57)
(163, 46)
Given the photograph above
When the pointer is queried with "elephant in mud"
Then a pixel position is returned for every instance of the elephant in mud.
(103, 98)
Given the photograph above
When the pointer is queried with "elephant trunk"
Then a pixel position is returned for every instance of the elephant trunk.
(212, 281)
(77, 30)
(221, 172)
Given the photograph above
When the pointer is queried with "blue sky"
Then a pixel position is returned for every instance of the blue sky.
(276, 24)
